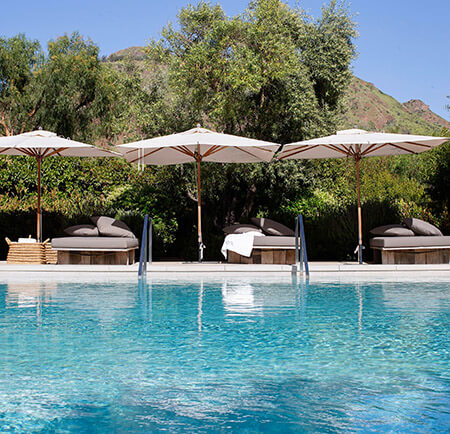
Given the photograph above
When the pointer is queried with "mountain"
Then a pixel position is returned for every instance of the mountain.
(132, 53)
(369, 108)
(423, 110)
(365, 106)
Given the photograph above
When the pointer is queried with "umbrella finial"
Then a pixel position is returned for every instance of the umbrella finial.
(198, 125)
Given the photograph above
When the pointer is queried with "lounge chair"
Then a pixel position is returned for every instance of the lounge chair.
(95, 250)
(413, 242)
(276, 247)
(109, 242)
(411, 250)
(267, 250)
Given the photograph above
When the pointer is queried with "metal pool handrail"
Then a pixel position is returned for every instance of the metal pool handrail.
(301, 255)
(146, 246)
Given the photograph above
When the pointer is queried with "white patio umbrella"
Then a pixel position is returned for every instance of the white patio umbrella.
(41, 144)
(198, 145)
(357, 144)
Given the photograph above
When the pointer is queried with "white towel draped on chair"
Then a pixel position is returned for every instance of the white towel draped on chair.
(240, 243)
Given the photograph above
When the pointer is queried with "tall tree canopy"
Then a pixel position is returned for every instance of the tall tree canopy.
(20, 61)
(272, 72)
(68, 91)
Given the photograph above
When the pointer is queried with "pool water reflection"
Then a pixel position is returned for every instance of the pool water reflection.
(236, 353)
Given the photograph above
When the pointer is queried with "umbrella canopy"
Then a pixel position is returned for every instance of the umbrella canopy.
(198, 145)
(41, 144)
(357, 144)
(360, 143)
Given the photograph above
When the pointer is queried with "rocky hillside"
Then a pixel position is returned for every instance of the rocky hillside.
(134, 53)
(419, 107)
(371, 109)
(367, 107)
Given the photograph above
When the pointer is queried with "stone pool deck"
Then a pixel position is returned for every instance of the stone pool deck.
(218, 267)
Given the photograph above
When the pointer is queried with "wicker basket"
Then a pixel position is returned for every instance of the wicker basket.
(51, 255)
(26, 253)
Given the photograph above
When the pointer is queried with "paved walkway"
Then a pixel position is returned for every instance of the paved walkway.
(217, 267)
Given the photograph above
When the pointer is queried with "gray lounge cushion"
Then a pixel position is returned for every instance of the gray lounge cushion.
(392, 231)
(272, 227)
(109, 227)
(241, 229)
(419, 227)
(82, 231)
(274, 241)
(92, 243)
(412, 242)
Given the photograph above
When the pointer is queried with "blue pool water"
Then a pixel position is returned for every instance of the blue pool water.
(233, 354)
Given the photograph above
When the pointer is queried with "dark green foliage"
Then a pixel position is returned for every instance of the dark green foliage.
(439, 186)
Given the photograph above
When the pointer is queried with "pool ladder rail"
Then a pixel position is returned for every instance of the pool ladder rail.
(301, 255)
(145, 255)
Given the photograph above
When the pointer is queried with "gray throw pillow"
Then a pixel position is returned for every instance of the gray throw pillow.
(272, 227)
(392, 231)
(109, 227)
(82, 231)
(422, 228)
(240, 229)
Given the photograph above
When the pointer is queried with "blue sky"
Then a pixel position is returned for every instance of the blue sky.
(404, 46)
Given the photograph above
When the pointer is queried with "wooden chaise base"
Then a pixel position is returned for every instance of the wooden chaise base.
(412, 256)
(96, 257)
(264, 256)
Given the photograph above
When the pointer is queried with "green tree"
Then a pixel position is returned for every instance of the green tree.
(253, 75)
(69, 91)
(20, 61)
(77, 91)
(271, 72)
(146, 106)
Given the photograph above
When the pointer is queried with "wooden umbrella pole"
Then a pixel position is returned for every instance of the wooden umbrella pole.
(199, 208)
(38, 159)
(357, 159)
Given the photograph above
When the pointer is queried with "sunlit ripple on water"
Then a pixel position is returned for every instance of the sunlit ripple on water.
(229, 354)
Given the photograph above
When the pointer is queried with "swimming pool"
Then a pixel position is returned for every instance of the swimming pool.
(234, 353)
